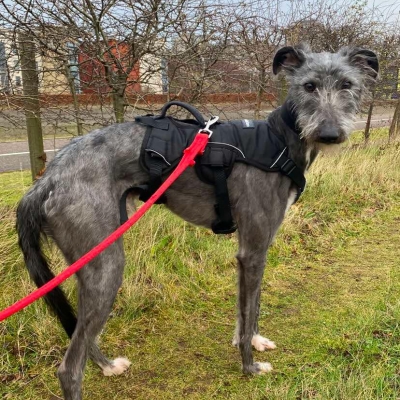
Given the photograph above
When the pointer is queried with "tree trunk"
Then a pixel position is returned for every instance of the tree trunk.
(367, 132)
(394, 129)
(282, 90)
(119, 106)
(30, 83)
(118, 95)
(260, 92)
(77, 111)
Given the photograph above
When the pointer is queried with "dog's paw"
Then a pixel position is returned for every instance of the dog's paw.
(263, 368)
(261, 343)
(257, 368)
(119, 366)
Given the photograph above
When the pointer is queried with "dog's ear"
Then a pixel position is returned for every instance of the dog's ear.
(288, 58)
(364, 59)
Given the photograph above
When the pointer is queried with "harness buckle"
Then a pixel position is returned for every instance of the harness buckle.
(210, 122)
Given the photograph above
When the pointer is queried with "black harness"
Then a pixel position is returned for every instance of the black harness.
(247, 141)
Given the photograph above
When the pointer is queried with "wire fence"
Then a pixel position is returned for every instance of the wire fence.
(89, 66)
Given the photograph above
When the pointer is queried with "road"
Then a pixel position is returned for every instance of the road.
(14, 156)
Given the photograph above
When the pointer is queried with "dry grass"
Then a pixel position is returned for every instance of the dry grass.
(329, 299)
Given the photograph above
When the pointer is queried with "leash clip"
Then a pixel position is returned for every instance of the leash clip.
(210, 122)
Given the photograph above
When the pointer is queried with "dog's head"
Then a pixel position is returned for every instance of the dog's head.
(327, 89)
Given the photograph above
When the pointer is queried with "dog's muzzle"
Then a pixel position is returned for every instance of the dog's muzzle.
(330, 133)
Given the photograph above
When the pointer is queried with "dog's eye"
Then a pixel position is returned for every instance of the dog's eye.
(310, 87)
(346, 85)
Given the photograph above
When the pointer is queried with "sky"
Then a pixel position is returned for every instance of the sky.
(389, 7)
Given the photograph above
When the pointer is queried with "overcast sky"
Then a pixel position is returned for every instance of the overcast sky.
(390, 8)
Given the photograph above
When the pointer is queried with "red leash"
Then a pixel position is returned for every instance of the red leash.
(197, 147)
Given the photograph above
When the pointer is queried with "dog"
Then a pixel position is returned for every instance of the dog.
(76, 203)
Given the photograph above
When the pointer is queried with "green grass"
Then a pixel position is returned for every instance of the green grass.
(330, 299)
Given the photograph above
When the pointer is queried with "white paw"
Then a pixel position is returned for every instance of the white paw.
(263, 368)
(235, 341)
(261, 343)
(119, 366)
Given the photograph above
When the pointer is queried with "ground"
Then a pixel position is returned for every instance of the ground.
(330, 299)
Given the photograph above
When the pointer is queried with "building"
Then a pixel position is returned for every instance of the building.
(79, 67)
(92, 72)
(145, 76)
(153, 74)
(52, 73)
(10, 72)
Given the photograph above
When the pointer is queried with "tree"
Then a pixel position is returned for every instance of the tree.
(31, 104)
(114, 34)
(201, 37)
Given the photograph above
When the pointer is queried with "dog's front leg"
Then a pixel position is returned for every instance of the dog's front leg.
(251, 264)
(260, 343)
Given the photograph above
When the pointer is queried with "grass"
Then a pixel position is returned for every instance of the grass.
(330, 299)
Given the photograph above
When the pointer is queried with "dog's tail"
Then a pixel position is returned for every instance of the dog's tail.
(30, 221)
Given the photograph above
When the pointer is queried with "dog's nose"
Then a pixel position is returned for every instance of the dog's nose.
(328, 133)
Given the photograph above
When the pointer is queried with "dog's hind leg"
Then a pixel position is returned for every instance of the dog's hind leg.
(112, 274)
(98, 284)
(77, 224)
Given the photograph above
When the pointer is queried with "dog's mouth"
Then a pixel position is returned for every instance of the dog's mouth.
(331, 140)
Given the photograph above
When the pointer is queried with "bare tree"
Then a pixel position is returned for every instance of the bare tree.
(102, 61)
(200, 40)
(263, 28)
(114, 35)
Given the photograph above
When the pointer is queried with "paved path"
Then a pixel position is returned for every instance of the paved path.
(14, 156)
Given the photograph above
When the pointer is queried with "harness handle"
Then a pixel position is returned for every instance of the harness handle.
(194, 111)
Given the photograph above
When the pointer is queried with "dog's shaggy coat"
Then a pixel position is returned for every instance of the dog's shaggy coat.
(76, 203)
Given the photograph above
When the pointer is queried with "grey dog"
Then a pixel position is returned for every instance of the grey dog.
(76, 203)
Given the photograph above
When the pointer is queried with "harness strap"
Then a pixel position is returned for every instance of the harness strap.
(123, 212)
(145, 191)
(224, 223)
(155, 181)
(291, 170)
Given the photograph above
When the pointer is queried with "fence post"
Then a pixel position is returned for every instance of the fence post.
(367, 130)
(282, 89)
(394, 129)
(30, 84)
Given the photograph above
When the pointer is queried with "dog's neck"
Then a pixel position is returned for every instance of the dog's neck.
(289, 116)
(284, 122)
